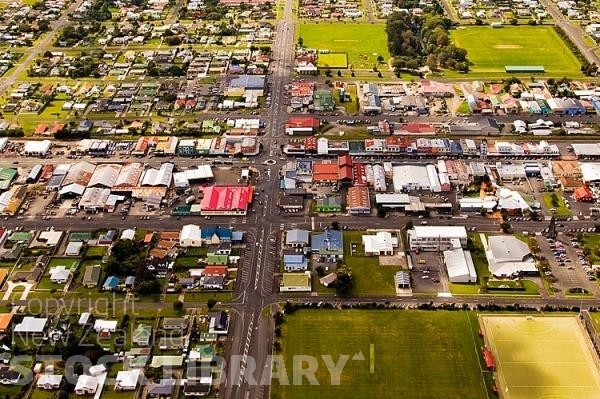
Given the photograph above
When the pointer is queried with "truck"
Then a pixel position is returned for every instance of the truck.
(190, 200)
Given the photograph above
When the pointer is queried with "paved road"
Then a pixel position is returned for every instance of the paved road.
(574, 33)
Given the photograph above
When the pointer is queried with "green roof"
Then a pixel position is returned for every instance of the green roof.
(80, 236)
(217, 259)
(7, 175)
(20, 236)
(296, 280)
(208, 337)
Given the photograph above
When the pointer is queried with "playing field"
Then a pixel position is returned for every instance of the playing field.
(416, 354)
(542, 357)
(333, 60)
(362, 42)
(490, 50)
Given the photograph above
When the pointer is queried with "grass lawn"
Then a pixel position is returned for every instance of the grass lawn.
(416, 354)
(591, 241)
(490, 50)
(362, 42)
(333, 60)
(561, 209)
(351, 107)
(68, 262)
(96, 252)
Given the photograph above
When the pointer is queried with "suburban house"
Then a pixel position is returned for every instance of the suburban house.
(86, 385)
(104, 328)
(31, 326)
(171, 343)
(329, 245)
(380, 244)
(197, 387)
(9, 376)
(127, 380)
(164, 389)
(219, 323)
(48, 381)
(175, 324)
(111, 283)
(142, 335)
(59, 275)
(297, 238)
(294, 263)
(213, 283)
(91, 276)
(216, 234)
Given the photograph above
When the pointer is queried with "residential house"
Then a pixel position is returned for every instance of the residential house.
(179, 324)
(329, 245)
(60, 275)
(111, 283)
(142, 335)
(219, 323)
(86, 385)
(297, 238)
(91, 276)
(8, 376)
(127, 380)
(31, 326)
(48, 381)
(164, 389)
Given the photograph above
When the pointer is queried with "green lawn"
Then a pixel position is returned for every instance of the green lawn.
(333, 60)
(561, 209)
(592, 242)
(490, 50)
(96, 252)
(362, 42)
(416, 354)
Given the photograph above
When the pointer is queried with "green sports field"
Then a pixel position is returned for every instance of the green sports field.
(333, 60)
(362, 42)
(416, 354)
(542, 357)
(489, 50)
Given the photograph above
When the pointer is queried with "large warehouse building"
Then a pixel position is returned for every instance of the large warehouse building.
(509, 256)
(459, 266)
(226, 200)
(415, 178)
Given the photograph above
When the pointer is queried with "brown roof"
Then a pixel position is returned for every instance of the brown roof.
(358, 197)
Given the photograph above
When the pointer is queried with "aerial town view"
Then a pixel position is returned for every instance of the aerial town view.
(291, 199)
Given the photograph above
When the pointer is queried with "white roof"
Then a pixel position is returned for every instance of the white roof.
(37, 147)
(51, 237)
(439, 231)
(392, 198)
(61, 169)
(128, 234)
(84, 318)
(380, 242)
(86, 382)
(158, 177)
(509, 199)
(590, 149)
(74, 247)
(72, 188)
(59, 273)
(590, 171)
(129, 175)
(459, 264)
(51, 379)
(190, 231)
(128, 378)
(97, 369)
(94, 197)
(108, 325)
(31, 325)
(404, 176)
(511, 268)
(505, 248)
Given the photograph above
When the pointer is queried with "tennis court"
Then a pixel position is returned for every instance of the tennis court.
(542, 357)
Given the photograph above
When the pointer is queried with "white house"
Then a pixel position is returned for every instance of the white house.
(86, 385)
(102, 325)
(59, 275)
(49, 381)
(190, 236)
(127, 380)
(379, 244)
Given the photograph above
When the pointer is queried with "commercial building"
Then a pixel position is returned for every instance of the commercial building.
(358, 200)
(226, 200)
(415, 178)
(508, 257)
(437, 238)
(380, 244)
(190, 236)
(295, 282)
(459, 265)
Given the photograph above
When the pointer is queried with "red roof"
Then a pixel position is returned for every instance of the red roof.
(583, 193)
(214, 271)
(325, 172)
(226, 198)
(310, 143)
(489, 359)
(47, 171)
(346, 172)
(345, 160)
(415, 127)
(360, 175)
(303, 122)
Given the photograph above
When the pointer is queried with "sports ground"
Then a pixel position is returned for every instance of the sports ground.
(542, 357)
(362, 42)
(489, 50)
(416, 354)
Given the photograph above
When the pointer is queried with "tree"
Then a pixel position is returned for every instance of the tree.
(478, 22)
(483, 211)
(178, 306)
(554, 201)
(320, 270)
(335, 225)
(380, 59)
(379, 75)
(409, 225)
(343, 282)
(514, 21)
(300, 42)
(505, 227)
(148, 287)
(211, 303)
(339, 73)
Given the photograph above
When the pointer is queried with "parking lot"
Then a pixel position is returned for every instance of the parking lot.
(427, 273)
(567, 264)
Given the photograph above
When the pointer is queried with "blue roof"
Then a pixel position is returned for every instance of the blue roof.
(221, 232)
(287, 259)
(111, 282)
(237, 236)
(329, 240)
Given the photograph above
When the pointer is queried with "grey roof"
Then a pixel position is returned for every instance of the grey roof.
(296, 236)
(91, 275)
(164, 387)
(508, 248)
(247, 81)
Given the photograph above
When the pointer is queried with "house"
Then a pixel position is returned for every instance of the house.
(216, 234)
(91, 276)
(8, 376)
(104, 328)
(219, 323)
(294, 263)
(48, 381)
(295, 282)
(297, 238)
(86, 385)
(179, 324)
(167, 361)
(31, 326)
(127, 380)
(328, 245)
(215, 271)
(142, 335)
(129, 282)
(197, 386)
(59, 275)
(171, 343)
(164, 389)
(74, 248)
(5, 321)
(380, 244)
(190, 236)
(213, 283)
(84, 319)
(97, 370)
(111, 283)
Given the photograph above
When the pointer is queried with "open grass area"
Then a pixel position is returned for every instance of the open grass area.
(362, 42)
(333, 60)
(592, 243)
(542, 357)
(490, 50)
(561, 209)
(414, 354)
